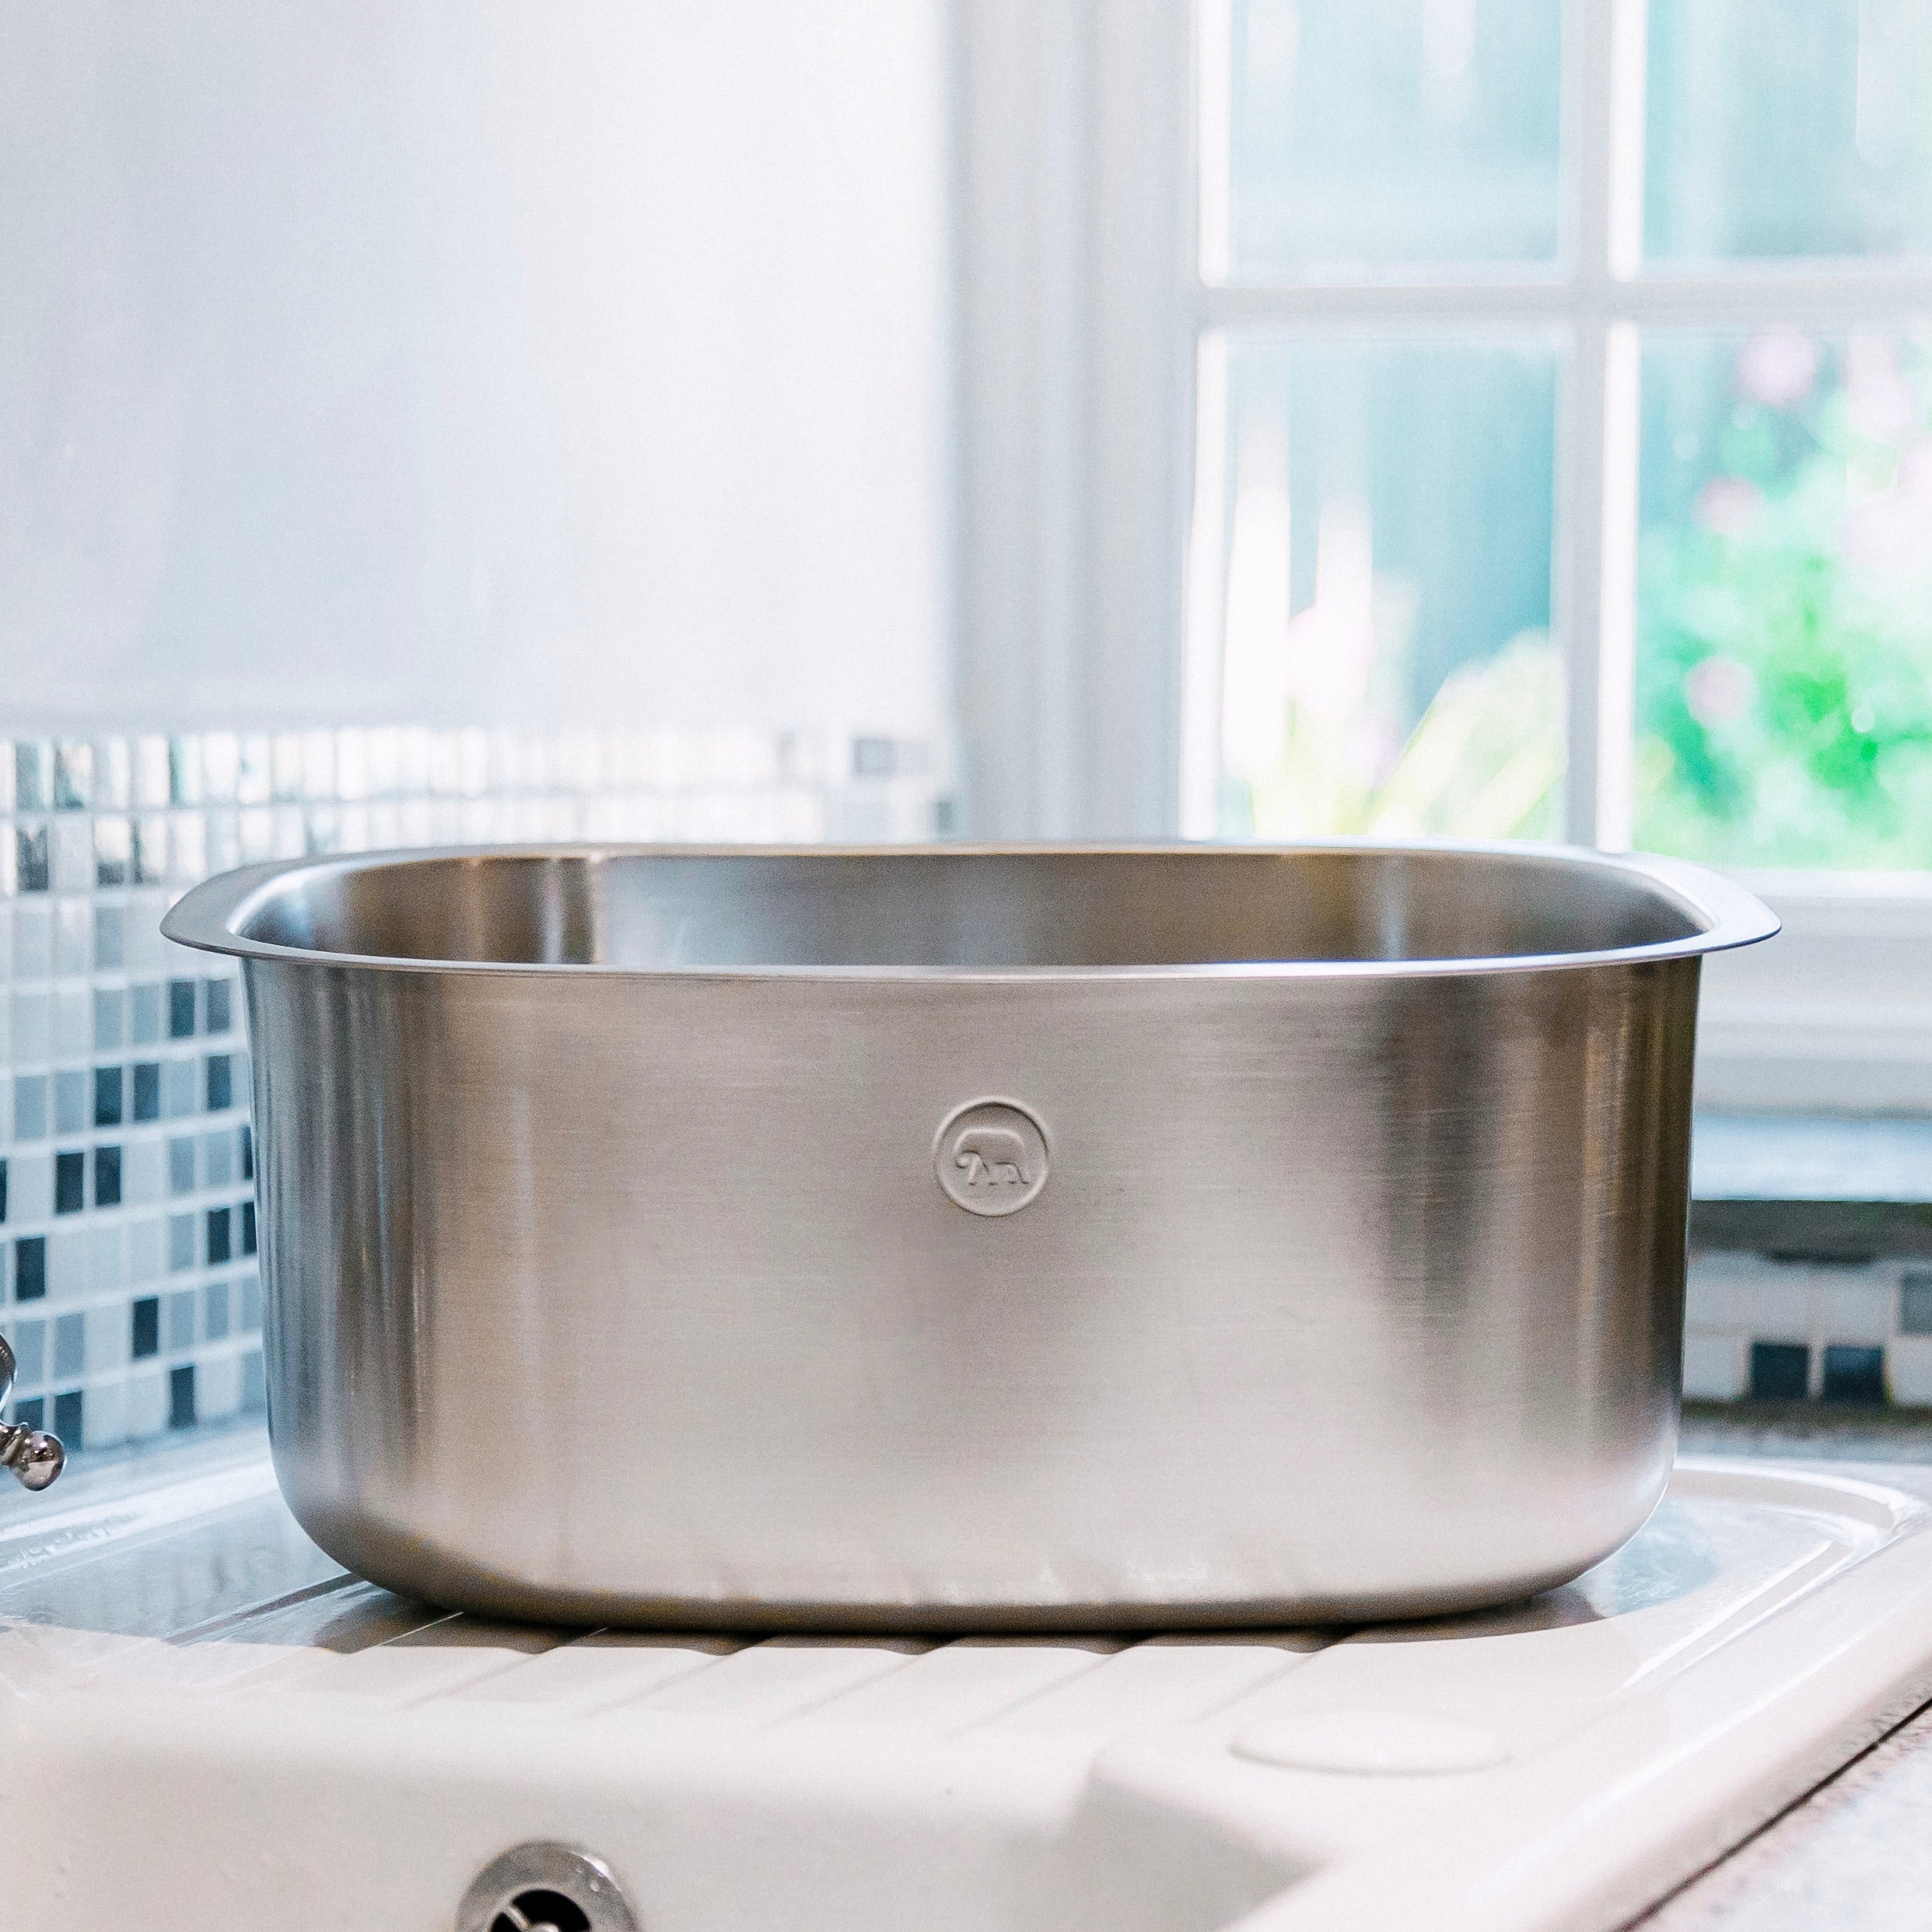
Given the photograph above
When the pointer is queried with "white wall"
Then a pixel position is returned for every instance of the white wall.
(571, 361)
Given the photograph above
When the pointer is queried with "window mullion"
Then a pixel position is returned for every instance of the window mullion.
(1596, 508)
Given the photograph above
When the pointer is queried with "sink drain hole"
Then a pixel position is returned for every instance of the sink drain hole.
(544, 1886)
(541, 1911)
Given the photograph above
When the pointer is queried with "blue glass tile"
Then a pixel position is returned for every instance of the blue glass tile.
(184, 771)
(1915, 1302)
(31, 857)
(145, 1004)
(110, 939)
(149, 859)
(220, 1005)
(220, 1236)
(147, 1090)
(248, 1228)
(32, 787)
(218, 1158)
(70, 1348)
(874, 758)
(108, 1084)
(110, 1020)
(248, 1154)
(32, 1415)
(181, 1321)
(180, 1088)
(181, 1009)
(67, 1417)
(30, 1107)
(251, 1304)
(180, 1167)
(114, 852)
(180, 1242)
(106, 1176)
(254, 1389)
(70, 1183)
(30, 1268)
(1853, 1373)
(33, 1027)
(1780, 1371)
(181, 1397)
(216, 1304)
(73, 777)
(29, 1341)
(145, 1338)
(221, 1081)
(70, 1102)
(3, 1191)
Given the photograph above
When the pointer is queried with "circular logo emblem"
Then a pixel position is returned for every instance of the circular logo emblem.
(991, 1157)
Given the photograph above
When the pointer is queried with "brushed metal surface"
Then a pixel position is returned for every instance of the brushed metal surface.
(611, 1277)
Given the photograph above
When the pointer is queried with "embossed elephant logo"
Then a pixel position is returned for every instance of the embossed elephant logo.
(991, 1157)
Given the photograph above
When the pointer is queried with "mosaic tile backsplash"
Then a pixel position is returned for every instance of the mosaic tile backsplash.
(129, 1288)
(1760, 1330)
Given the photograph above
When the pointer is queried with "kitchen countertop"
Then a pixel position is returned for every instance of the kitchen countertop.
(1856, 1855)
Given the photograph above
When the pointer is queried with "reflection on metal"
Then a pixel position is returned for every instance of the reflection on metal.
(543, 1887)
(35, 1457)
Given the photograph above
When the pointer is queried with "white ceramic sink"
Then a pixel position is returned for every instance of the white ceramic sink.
(223, 1730)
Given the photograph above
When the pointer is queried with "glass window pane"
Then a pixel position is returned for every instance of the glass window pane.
(1386, 661)
(1368, 134)
(1778, 128)
(1784, 658)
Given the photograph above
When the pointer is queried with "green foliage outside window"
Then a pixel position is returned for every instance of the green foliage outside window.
(1784, 666)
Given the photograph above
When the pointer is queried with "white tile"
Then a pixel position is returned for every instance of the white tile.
(1716, 1295)
(74, 1021)
(1908, 1370)
(107, 1337)
(1775, 1304)
(252, 771)
(150, 771)
(141, 1165)
(147, 1404)
(144, 930)
(68, 1258)
(108, 1257)
(33, 1029)
(104, 1415)
(72, 853)
(29, 1187)
(257, 836)
(1853, 1305)
(1715, 1367)
(221, 762)
(33, 939)
(145, 1242)
(188, 848)
(73, 928)
(217, 1387)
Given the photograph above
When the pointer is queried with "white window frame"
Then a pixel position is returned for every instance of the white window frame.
(1090, 568)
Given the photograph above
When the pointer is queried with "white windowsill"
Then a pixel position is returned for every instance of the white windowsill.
(1834, 1015)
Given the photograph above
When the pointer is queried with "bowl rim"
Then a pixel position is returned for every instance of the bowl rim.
(209, 916)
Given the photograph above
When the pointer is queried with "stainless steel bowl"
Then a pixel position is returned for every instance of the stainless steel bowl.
(972, 1238)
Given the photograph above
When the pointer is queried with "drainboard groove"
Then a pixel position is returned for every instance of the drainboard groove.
(235, 1622)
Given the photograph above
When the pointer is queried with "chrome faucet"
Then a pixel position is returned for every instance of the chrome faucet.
(36, 1459)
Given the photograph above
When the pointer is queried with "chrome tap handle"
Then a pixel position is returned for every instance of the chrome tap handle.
(35, 1458)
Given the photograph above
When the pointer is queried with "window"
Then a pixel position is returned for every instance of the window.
(1473, 418)
(1565, 424)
